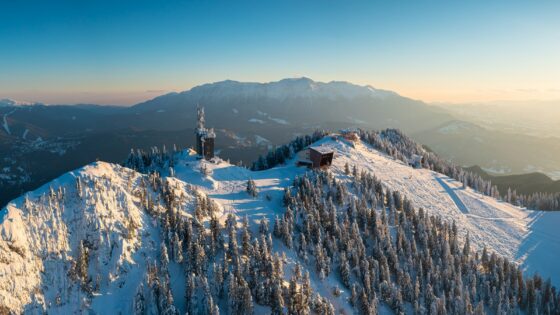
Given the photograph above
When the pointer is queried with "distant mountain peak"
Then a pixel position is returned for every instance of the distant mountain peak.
(297, 79)
(300, 87)
(7, 102)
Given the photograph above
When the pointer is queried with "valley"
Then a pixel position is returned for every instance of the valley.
(39, 142)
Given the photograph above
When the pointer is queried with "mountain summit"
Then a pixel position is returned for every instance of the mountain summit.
(289, 88)
(297, 102)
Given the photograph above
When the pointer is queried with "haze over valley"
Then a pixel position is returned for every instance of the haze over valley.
(41, 141)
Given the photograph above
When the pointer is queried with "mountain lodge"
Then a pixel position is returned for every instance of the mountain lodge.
(321, 156)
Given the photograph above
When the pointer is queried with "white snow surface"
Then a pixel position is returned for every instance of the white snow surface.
(528, 237)
(39, 237)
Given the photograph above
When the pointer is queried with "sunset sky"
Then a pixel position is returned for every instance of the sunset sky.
(121, 52)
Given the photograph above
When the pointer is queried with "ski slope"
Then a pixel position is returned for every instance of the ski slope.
(528, 237)
(524, 236)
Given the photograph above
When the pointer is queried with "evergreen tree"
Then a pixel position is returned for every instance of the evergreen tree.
(252, 188)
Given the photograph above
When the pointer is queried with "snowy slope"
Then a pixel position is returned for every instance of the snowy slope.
(525, 236)
(41, 232)
(226, 184)
(528, 237)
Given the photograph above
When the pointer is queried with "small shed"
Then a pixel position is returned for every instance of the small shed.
(321, 156)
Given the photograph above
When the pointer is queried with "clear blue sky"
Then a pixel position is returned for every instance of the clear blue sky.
(122, 52)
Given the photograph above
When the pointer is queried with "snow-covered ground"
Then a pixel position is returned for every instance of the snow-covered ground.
(528, 237)
(39, 233)
(525, 236)
(226, 184)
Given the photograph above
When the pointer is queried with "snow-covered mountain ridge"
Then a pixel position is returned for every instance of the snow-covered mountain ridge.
(99, 205)
(289, 88)
(116, 213)
(6, 102)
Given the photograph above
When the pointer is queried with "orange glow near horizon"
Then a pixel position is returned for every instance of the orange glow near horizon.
(424, 92)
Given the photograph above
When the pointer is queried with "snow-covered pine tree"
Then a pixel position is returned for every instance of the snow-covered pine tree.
(252, 188)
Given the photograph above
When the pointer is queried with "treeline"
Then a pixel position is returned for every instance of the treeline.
(391, 141)
(146, 161)
(396, 144)
(285, 152)
(383, 250)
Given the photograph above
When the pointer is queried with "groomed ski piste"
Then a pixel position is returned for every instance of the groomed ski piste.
(34, 245)
(531, 238)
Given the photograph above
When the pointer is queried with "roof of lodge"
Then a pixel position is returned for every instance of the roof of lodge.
(322, 149)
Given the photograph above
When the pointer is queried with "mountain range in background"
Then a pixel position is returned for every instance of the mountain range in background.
(535, 118)
(38, 142)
